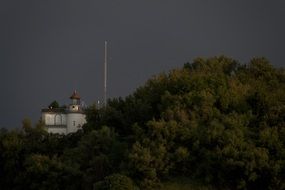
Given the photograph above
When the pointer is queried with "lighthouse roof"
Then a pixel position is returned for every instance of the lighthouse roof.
(75, 95)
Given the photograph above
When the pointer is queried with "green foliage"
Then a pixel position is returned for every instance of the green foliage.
(43, 172)
(115, 182)
(214, 122)
(54, 105)
(183, 183)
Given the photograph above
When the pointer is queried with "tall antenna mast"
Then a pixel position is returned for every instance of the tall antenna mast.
(105, 76)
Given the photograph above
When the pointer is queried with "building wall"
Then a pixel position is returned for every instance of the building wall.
(63, 123)
(59, 130)
(74, 107)
(54, 118)
(75, 121)
(55, 122)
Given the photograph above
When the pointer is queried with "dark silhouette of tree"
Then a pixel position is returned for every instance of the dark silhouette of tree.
(54, 105)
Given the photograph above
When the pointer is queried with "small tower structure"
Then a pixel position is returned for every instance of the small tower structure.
(75, 116)
(65, 120)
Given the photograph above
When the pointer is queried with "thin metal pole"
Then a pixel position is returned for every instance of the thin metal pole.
(105, 76)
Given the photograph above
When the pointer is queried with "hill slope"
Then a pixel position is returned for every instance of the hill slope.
(213, 122)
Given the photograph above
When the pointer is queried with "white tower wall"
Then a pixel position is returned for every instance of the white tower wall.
(74, 121)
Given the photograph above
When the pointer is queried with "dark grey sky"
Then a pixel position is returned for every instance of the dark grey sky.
(48, 48)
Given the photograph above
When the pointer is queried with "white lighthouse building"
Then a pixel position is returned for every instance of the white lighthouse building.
(65, 120)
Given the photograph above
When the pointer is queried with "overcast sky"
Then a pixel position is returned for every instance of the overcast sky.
(48, 48)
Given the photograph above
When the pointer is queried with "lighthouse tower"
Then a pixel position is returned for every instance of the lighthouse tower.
(75, 116)
(65, 120)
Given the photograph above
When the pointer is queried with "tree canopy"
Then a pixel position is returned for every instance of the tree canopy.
(215, 121)
(54, 104)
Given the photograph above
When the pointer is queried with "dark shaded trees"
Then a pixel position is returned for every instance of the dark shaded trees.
(54, 105)
(214, 121)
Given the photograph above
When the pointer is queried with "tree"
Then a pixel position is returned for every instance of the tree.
(115, 182)
(54, 105)
(214, 121)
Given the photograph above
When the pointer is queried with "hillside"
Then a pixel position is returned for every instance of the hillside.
(214, 122)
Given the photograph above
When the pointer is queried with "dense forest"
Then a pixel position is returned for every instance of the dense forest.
(216, 123)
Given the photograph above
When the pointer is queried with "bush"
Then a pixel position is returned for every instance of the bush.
(115, 182)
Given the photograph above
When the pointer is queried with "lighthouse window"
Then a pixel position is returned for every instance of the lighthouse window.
(73, 123)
